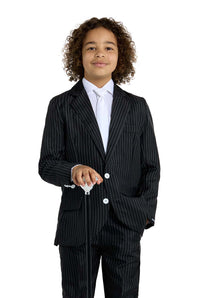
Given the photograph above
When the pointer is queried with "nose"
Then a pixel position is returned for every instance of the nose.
(100, 54)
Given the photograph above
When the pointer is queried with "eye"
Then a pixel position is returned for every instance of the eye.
(91, 49)
(109, 49)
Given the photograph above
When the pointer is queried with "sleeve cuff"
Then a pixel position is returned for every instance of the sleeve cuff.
(150, 223)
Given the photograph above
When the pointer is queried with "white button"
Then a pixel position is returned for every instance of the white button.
(107, 175)
(105, 201)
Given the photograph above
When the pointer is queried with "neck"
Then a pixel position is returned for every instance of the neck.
(98, 83)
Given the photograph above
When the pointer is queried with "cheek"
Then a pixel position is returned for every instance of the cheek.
(86, 59)
(84, 62)
(83, 58)
(114, 60)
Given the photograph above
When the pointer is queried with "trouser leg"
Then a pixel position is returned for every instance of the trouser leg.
(73, 269)
(120, 248)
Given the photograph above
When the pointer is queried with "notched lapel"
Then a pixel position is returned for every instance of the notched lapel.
(120, 108)
(83, 108)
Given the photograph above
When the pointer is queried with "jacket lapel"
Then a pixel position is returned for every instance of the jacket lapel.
(82, 106)
(120, 109)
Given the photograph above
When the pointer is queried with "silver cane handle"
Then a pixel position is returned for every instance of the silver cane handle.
(86, 187)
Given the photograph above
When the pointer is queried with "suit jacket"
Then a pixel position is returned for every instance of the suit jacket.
(71, 136)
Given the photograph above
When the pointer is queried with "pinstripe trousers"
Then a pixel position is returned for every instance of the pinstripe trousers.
(118, 247)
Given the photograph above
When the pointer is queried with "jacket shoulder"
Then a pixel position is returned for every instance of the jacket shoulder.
(67, 96)
(58, 104)
(60, 98)
(133, 98)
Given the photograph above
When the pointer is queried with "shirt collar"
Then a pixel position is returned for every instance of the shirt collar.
(89, 87)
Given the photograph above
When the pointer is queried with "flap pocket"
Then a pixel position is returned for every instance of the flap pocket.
(72, 198)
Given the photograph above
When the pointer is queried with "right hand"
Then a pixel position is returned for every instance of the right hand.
(88, 173)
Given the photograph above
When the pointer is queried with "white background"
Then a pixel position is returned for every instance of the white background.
(166, 34)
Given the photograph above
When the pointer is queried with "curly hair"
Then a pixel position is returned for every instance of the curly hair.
(72, 50)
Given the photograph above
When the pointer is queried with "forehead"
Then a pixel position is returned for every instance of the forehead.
(99, 35)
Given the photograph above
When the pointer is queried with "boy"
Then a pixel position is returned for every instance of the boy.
(96, 129)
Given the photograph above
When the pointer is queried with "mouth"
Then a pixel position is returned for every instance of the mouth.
(99, 64)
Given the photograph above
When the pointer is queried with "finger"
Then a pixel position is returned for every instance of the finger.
(86, 175)
(100, 179)
(79, 178)
(74, 179)
(93, 177)
(74, 175)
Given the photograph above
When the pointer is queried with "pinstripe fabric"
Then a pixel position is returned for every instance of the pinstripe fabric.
(71, 136)
(118, 248)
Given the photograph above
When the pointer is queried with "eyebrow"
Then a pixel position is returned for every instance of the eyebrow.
(93, 42)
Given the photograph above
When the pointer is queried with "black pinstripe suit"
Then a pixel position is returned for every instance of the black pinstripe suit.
(71, 136)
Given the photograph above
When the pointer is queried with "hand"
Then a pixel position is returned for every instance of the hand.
(147, 221)
(88, 173)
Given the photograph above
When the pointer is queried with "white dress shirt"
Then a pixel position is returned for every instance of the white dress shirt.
(89, 87)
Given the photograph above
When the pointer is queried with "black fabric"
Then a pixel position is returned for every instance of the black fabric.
(71, 136)
(118, 249)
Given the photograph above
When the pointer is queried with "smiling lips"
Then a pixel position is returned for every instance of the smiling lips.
(99, 64)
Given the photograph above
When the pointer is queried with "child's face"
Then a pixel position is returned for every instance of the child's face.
(99, 55)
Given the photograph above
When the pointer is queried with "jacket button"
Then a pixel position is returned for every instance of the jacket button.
(105, 201)
(107, 175)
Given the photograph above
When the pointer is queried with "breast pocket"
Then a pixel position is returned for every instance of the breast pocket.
(130, 128)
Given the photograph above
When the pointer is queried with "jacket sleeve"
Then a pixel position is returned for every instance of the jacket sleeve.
(150, 166)
(53, 166)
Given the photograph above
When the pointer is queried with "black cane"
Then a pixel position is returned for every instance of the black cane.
(87, 189)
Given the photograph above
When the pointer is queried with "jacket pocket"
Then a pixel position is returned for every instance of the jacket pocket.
(136, 208)
(72, 198)
(130, 128)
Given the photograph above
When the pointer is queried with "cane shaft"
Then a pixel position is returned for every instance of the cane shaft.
(88, 245)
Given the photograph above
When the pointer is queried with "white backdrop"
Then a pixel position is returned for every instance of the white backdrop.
(167, 76)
